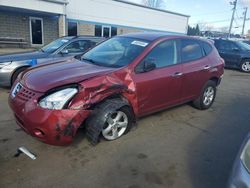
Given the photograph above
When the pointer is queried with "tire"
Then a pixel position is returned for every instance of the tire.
(104, 121)
(207, 96)
(16, 74)
(245, 66)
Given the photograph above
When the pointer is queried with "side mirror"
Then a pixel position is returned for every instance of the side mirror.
(149, 65)
(64, 52)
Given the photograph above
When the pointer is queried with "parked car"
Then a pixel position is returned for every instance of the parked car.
(240, 175)
(235, 53)
(112, 84)
(246, 41)
(12, 65)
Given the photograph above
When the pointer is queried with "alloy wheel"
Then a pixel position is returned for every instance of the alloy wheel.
(208, 96)
(246, 66)
(116, 125)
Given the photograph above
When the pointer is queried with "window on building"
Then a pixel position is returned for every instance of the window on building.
(98, 30)
(105, 31)
(72, 28)
(113, 31)
(190, 50)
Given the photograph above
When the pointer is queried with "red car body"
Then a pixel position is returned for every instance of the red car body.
(146, 93)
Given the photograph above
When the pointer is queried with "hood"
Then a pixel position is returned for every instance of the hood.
(22, 56)
(45, 77)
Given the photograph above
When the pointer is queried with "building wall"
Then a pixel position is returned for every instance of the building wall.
(89, 29)
(35, 5)
(86, 29)
(121, 14)
(16, 25)
(124, 30)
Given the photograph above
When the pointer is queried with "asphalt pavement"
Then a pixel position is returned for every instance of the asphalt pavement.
(177, 148)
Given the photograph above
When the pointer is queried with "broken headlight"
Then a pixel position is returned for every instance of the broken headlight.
(58, 99)
(245, 156)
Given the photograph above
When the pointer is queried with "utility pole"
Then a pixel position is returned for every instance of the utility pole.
(234, 3)
(244, 20)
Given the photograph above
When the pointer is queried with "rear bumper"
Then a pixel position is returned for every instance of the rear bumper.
(55, 127)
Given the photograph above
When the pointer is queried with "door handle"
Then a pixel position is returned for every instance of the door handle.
(207, 67)
(177, 74)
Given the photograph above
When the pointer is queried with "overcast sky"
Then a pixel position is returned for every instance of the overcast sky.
(215, 13)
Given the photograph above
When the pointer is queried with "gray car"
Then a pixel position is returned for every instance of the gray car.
(13, 64)
(240, 176)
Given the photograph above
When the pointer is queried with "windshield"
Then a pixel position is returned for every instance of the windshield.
(243, 45)
(53, 46)
(116, 52)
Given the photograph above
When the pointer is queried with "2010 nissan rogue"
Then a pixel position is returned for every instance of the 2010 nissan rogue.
(113, 84)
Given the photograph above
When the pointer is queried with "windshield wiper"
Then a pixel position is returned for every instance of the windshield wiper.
(89, 60)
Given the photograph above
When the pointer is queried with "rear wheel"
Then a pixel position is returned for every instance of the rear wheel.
(245, 66)
(16, 73)
(207, 96)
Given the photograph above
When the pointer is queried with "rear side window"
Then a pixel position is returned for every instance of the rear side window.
(190, 50)
(224, 45)
(207, 48)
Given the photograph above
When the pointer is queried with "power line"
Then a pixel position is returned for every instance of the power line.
(215, 13)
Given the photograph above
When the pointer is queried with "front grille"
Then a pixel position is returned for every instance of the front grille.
(25, 94)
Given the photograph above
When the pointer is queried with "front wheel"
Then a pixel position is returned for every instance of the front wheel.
(111, 119)
(207, 97)
(245, 66)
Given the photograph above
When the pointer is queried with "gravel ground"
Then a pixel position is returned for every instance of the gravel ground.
(177, 148)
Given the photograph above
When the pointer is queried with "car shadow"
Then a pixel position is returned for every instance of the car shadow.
(211, 156)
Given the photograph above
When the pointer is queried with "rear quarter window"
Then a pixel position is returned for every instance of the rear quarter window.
(207, 48)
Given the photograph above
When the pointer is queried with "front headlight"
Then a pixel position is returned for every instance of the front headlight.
(4, 64)
(58, 99)
(245, 156)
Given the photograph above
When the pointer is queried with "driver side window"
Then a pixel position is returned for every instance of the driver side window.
(164, 54)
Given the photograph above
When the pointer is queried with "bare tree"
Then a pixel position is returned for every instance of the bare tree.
(154, 3)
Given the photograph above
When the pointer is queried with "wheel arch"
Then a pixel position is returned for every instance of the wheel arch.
(215, 79)
(15, 71)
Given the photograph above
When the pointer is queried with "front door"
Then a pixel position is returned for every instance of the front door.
(106, 31)
(36, 31)
(160, 88)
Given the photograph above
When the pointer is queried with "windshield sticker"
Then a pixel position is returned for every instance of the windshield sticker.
(140, 43)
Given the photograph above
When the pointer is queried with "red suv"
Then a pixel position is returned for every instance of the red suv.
(108, 87)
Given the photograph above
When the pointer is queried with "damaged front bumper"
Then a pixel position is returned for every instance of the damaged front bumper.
(55, 127)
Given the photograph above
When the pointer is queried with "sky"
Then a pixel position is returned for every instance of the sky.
(212, 14)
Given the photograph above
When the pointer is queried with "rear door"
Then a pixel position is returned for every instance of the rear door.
(195, 68)
(229, 51)
(160, 87)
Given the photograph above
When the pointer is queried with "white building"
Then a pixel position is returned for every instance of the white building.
(37, 22)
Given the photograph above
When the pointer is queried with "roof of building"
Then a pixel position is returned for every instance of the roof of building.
(156, 9)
